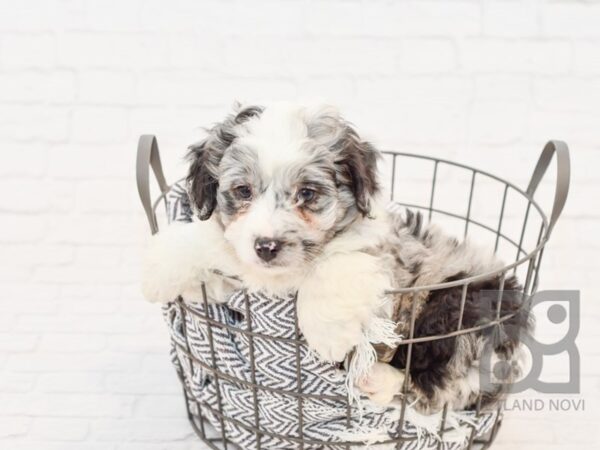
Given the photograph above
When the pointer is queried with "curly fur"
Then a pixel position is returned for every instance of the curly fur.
(337, 247)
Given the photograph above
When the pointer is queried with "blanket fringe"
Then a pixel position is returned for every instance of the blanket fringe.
(378, 331)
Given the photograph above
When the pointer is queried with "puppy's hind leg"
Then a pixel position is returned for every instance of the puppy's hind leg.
(382, 383)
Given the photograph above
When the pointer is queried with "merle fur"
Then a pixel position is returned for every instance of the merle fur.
(202, 178)
(430, 361)
(358, 163)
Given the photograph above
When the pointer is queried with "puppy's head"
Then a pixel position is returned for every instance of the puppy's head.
(283, 181)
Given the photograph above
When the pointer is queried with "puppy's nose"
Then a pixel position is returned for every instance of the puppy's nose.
(266, 248)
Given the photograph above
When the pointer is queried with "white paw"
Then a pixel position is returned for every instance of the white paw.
(331, 341)
(158, 286)
(163, 277)
(382, 383)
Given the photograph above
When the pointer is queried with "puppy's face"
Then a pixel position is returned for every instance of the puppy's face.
(282, 181)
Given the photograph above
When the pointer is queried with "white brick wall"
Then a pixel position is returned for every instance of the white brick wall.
(83, 359)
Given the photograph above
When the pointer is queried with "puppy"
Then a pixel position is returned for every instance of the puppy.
(286, 198)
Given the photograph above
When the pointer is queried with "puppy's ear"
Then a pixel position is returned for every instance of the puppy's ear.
(355, 159)
(203, 176)
(357, 162)
(202, 181)
(204, 157)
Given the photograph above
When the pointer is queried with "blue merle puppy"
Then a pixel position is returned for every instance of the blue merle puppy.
(287, 199)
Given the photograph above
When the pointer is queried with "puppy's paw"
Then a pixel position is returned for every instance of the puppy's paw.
(159, 286)
(331, 341)
(163, 275)
(382, 383)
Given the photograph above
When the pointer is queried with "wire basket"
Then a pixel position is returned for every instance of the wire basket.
(471, 202)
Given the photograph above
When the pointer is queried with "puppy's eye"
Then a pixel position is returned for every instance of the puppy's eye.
(306, 195)
(243, 192)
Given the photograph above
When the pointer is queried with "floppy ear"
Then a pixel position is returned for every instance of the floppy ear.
(357, 162)
(202, 181)
(355, 159)
(203, 176)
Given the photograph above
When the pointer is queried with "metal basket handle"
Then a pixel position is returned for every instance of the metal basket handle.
(563, 177)
(148, 156)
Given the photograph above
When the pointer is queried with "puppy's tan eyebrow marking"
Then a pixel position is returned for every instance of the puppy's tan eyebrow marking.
(306, 215)
(242, 210)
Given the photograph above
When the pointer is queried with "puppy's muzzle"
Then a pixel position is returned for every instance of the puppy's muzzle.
(267, 249)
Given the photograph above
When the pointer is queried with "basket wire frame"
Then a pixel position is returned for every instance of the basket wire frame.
(528, 258)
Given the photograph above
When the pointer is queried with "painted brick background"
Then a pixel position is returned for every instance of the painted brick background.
(83, 359)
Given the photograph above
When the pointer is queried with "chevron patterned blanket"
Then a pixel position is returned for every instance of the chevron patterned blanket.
(269, 360)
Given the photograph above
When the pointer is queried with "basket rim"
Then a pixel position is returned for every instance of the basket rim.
(405, 340)
(543, 239)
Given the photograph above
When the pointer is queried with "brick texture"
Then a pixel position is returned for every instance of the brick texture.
(83, 359)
